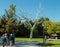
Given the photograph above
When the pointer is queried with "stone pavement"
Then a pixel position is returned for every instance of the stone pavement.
(25, 44)
(8, 46)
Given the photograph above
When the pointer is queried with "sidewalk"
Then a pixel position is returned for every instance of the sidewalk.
(8, 46)
(25, 44)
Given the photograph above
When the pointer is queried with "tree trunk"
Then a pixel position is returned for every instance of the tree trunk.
(31, 33)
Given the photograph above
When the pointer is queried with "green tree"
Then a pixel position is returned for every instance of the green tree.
(57, 27)
(8, 19)
(48, 27)
(29, 24)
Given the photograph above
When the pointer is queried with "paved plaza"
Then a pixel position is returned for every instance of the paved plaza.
(25, 44)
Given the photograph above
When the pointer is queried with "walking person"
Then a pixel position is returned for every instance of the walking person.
(13, 35)
(4, 41)
(7, 38)
(0, 39)
(11, 40)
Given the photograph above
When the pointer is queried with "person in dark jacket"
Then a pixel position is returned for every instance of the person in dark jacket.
(0, 39)
(13, 35)
(11, 39)
(4, 41)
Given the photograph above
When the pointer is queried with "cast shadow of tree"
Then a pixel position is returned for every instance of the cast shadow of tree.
(47, 44)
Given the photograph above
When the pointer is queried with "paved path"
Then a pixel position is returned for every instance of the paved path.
(25, 44)
(29, 46)
(8, 46)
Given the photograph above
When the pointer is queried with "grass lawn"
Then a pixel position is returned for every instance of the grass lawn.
(28, 40)
(51, 43)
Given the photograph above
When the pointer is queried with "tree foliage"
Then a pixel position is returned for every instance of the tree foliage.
(10, 23)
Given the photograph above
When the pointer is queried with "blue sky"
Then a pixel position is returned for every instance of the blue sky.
(49, 8)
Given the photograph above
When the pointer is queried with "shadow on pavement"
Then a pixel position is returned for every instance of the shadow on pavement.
(28, 44)
(47, 44)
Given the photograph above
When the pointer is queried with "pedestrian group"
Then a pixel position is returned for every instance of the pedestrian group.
(7, 39)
